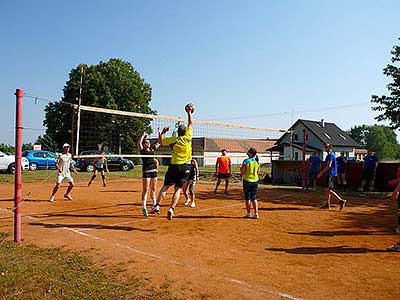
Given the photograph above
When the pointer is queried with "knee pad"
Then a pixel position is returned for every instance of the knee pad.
(93, 176)
(104, 177)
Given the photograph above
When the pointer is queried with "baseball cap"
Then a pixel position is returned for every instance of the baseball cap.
(66, 145)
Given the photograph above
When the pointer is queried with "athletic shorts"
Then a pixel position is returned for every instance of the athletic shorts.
(149, 174)
(250, 190)
(99, 169)
(367, 175)
(61, 177)
(177, 175)
(223, 175)
(330, 182)
(313, 174)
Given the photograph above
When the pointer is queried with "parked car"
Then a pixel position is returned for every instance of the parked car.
(40, 159)
(7, 163)
(114, 163)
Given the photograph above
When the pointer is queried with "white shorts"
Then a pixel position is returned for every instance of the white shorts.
(61, 177)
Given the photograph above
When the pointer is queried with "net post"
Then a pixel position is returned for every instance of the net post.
(19, 93)
(304, 171)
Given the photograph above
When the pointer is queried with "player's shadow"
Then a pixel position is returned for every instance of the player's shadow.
(87, 216)
(281, 208)
(6, 200)
(341, 233)
(208, 217)
(92, 226)
(119, 191)
(325, 250)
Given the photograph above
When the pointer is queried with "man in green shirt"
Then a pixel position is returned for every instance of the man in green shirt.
(179, 169)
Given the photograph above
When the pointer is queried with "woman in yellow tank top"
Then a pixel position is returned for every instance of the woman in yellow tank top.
(249, 170)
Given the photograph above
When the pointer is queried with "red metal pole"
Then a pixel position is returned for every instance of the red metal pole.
(18, 170)
(304, 177)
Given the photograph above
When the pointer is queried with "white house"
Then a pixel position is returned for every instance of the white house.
(317, 134)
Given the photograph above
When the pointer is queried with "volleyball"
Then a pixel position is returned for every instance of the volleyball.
(189, 107)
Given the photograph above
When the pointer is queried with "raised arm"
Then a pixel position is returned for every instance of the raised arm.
(140, 142)
(188, 110)
(161, 134)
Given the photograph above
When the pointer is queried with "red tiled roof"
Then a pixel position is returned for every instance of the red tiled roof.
(237, 145)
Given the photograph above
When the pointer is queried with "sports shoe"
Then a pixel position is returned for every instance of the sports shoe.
(193, 205)
(248, 215)
(187, 201)
(144, 211)
(52, 198)
(170, 214)
(68, 197)
(342, 204)
(325, 206)
(397, 230)
(89, 183)
(394, 248)
(255, 216)
(155, 210)
(226, 193)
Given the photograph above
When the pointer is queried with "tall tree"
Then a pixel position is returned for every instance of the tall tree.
(389, 105)
(114, 84)
(382, 139)
(358, 133)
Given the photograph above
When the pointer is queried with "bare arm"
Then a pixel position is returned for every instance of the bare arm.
(242, 169)
(161, 134)
(324, 170)
(140, 142)
(189, 113)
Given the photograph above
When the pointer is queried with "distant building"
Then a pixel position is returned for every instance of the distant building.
(360, 154)
(318, 133)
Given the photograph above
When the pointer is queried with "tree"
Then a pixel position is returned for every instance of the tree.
(358, 133)
(114, 84)
(382, 139)
(389, 105)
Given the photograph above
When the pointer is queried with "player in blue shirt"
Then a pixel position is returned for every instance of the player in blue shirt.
(330, 171)
(314, 163)
(369, 168)
(341, 169)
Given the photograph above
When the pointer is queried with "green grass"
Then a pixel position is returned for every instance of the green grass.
(31, 273)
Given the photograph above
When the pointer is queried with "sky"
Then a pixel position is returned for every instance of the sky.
(255, 63)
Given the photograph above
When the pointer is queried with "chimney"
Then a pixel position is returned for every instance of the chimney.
(322, 123)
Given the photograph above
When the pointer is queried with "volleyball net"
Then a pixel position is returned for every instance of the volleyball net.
(117, 133)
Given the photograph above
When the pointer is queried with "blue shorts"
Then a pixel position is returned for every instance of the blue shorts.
(250, 190)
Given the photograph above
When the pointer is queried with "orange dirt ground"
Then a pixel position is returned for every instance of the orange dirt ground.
(294, 251)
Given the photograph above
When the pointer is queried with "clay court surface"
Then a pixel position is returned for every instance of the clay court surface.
(294, 251)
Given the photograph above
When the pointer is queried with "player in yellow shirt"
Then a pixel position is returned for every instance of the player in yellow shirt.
(250, 170)
(179, 169)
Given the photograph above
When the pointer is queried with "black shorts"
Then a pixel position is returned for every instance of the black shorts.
(367, 175)
(330, 182)
(177, 175)
(149, 174)
(223, 175)
(98, 169)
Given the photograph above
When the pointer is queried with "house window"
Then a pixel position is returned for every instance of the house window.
(327, 135)
(296, 137)
(296, 156)
(342, 136)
